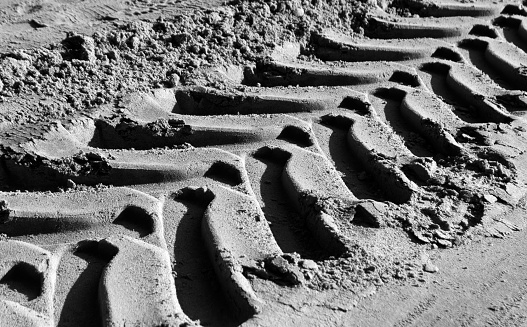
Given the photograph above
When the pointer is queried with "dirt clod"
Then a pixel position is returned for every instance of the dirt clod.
(430, 267)
(284, 270)
(308, 264)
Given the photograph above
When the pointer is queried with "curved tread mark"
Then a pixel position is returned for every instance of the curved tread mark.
(35, 214)
(349, 167)
(145, 133)
(332, 46)
(129, 134)
(285, 222)
(270, 72)
(428, 115)
(314, 194)
(383, 29)
(137, 167)
(208, 101)
(490, 100)
(198, 289)
(385, 157)
(373, 150)
(451, 9)
(514, 30)
(140, 168)
(281, 72)
(78, 275)
(235, 234)
(505, 57)
(137, 285)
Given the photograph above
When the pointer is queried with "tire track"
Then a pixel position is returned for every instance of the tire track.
(284, 219)
(389, 107)
(509, 311)
(514, 30)
(223, 235)
(350, 168)
(79, 273)
(198, 288)
(499, 56)
(417, 311)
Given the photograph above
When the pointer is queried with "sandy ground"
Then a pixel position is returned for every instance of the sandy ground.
(26, 24)
(263, 163)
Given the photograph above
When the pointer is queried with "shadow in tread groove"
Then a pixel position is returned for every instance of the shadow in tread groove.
(513, 31)
(441, 89)
(511, 9)
(136, 219)
(477, 58)
(392, 112)
(20, 226)
(224, 173)
(405, 78)
(198, 290)
(484, 30)
(24, 279)
(296, 135)
(511, 36)
(350, 168)
(287, 227)
(447, 54)
(80, 305)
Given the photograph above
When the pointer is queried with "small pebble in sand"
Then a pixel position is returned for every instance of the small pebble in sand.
(308, 264)
(430, 267)
(490, 198)
(299, 12)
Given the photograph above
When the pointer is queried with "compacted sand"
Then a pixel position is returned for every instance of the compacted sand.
(273, 163)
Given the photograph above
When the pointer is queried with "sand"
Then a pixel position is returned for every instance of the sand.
(262, 163)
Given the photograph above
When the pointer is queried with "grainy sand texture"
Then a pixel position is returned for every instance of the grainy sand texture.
(263, 163)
